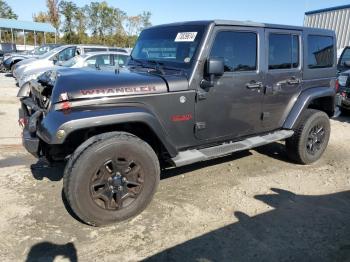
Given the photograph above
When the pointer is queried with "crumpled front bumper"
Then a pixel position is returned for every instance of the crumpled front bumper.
(30, 143)
(30, 140)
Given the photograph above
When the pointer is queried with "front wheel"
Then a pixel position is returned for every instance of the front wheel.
(110, 178)
(311, 137)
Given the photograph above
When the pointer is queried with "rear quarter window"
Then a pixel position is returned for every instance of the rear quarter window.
(320, 51)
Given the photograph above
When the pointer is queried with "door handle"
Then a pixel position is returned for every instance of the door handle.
(254, 85)
(293, 81)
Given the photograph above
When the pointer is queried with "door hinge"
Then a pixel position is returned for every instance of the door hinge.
(201, 95)
(265, 115)
(200, 126)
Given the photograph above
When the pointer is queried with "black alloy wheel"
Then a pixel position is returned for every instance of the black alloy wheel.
(117, 183)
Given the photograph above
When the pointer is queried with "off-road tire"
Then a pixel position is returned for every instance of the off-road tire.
(82, 163)
(296, 145)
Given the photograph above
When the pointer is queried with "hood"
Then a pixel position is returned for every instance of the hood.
(40, 70)
(33, 64)
(83, 84)
(26, 61)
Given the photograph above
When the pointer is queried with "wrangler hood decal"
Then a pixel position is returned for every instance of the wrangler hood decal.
(82, 84)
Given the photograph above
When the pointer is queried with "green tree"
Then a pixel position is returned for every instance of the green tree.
(97, 23)
(68, 9)
(146, 19)
(6, 11)
(135, 24)
(81, 21)
(41, 17)
(92, 11)
(53, 13)
(104, 21)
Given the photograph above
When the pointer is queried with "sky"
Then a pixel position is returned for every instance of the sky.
(289, 12)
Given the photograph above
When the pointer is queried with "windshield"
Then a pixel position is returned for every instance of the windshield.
(71, 62)
(41, 50)
(171, 45)
(52, 52)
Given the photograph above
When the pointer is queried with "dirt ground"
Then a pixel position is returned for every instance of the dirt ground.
(250, 206)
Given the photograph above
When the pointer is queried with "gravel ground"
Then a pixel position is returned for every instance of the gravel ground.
(250, 206)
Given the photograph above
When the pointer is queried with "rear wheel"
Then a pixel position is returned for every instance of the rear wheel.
(111, 178)
(310, 138)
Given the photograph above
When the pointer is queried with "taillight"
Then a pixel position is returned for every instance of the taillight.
(336, 86)
(23, 121)
(65, 105)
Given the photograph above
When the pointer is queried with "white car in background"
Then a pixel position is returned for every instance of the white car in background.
(104, 60)
(58, 55)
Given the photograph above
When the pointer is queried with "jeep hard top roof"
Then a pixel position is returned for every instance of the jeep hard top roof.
(246, 23)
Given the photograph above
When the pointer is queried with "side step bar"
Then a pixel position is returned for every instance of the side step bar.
(196, 155)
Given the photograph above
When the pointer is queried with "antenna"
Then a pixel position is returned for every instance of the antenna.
(117, 67)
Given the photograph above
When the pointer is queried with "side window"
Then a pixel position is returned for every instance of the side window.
(121, 59)
(320, 51)
(66, 54)
(283, 51)
(345, 56)
(239, 50)
(99, 60)
(91, 61)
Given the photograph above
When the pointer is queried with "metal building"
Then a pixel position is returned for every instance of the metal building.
(334, 18)
(14, 26)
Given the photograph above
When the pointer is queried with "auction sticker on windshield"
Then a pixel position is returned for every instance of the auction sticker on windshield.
(185, 36)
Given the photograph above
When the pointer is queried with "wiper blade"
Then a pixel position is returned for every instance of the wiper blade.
(145, 64)
(158, 66)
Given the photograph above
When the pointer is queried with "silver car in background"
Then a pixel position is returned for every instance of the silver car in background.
(57, 55)
(104, 60)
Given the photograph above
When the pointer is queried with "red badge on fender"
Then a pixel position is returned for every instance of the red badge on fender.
(178, 118)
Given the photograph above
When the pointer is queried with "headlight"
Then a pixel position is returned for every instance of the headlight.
(342, 80)
(26, 78)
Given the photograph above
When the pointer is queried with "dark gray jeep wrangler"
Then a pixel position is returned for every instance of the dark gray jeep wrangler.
(192, 91)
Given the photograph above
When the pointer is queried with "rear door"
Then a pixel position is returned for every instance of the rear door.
(283, 77)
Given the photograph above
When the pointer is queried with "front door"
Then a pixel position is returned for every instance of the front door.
(283, 77)
(232, 107)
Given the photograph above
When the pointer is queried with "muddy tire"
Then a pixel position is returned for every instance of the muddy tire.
(111, 177)
(310, 139)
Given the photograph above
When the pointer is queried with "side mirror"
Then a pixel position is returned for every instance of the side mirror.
(214, 67)
(347, 63)
(55, 59)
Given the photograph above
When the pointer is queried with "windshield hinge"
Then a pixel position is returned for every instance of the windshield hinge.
(201, 95)
(200, 126)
